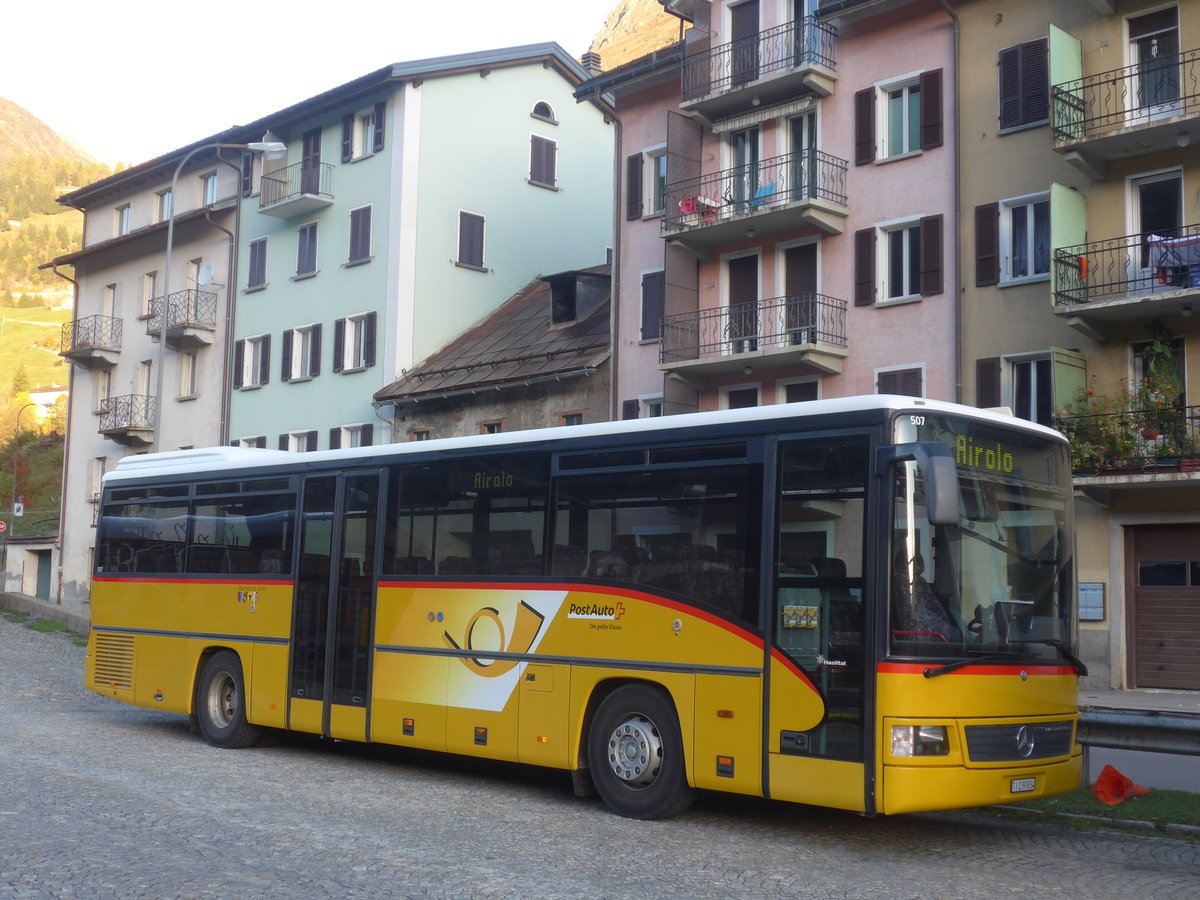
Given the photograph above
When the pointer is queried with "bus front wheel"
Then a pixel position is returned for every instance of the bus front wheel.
(220, 706)
(635, 754)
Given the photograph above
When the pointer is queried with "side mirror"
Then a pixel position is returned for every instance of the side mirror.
(938, 471)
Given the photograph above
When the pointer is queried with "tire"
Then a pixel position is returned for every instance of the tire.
(635, 754)
(220, 707)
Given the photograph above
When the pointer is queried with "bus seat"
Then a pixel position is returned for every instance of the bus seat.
(458, 565)
(567, 559)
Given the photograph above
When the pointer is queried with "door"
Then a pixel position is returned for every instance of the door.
(310, 162)
(804, 34)
(743, 27)
(743, 303)
(333, 608)
(1166, 608)
(1154, 52)
(804, 156)
(818, 731)
(1158, 205)
(800, 302)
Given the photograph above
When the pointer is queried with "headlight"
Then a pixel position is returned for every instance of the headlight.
(919, 740)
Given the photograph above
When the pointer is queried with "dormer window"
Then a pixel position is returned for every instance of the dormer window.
(574, 295)
(543, 111)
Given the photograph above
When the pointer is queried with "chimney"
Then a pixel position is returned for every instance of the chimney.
(591, 61)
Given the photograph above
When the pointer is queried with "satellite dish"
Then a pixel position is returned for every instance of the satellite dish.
(205, 275)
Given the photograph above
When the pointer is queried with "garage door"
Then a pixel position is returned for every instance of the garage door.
(1165, 651)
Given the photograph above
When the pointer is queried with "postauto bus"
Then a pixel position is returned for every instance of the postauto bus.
(861, 603)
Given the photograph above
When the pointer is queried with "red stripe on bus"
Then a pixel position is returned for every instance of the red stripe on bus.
(983, 667)
(778, 656)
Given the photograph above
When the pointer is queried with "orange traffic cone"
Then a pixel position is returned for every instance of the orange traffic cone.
(1112, 787)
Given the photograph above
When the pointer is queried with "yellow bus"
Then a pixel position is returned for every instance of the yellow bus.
(861, 603)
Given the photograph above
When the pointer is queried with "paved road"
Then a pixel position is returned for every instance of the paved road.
(99, 800)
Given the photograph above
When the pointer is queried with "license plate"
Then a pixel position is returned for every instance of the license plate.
(1021, 785)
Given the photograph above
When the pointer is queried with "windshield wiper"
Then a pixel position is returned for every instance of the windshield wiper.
(1075, 661)
(931, 672)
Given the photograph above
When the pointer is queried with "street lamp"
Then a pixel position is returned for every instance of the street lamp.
(270, 149)
(16, 450)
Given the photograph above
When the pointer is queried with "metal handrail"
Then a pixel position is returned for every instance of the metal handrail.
(186, 308)
(796, 321)
(1151, 731)
(298, 179)
(1134, 95)
(127, 411)
(1133, 438)
(101, 332)
(755, 188)
(794, 45)
(1120, 267)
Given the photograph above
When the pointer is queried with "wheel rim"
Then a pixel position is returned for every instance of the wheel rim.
(222, 700)
(635, 751)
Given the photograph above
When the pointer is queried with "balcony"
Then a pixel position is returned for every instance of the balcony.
(191, 319)
(772, 65)
(796, 331)
(794, 191)
(1126, 112)
(92, 342)
(297, 190)
(1138, 276)
(128, 419)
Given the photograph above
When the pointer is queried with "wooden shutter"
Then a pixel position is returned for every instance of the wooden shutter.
(987, 382)
(931, 256)
(864, 267)
(1024, 84)
(1010, 86)
(339, 344)
(904, 382)
(377, 133)
(987, 245)
(366, 435)
(335, 438)
(470, 239)
(247, 173)
(652, 305)
(633, 186)
(283, 441)
(311, 441)
(261, 442)
(629, 409)
(264, 367)
(541, 160)
(360, 233)
(347, 137)
(314, 351)
(931, 109)
(239, 358)
(285, 362)
(864, 126)
(369, 340)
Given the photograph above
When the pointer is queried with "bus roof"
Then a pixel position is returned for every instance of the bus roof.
(219, 459)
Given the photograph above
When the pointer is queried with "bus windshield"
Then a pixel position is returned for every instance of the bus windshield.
(998, 584)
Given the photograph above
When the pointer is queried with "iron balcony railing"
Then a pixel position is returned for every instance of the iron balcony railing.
(297, 180)
(101, 332)
(126, 412)
(1134, 439)
(805, 42)
(1125, 98)
(755, 188)
(189, 308)
(782, 322)
(1128, 266)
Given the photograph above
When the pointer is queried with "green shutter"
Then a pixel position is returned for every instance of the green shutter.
(1069, 377)
(1066, 65)
(1068, 228)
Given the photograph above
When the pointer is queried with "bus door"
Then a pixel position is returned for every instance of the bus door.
(334, 603)
(816, 725)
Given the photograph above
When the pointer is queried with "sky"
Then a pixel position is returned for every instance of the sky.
(130, 80)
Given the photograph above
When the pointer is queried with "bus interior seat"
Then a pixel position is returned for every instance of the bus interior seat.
(459, 565)
(567, 559)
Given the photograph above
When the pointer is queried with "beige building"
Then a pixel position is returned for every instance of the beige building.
(1081, 269)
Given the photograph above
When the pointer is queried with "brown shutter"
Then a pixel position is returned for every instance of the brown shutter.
(911, 383)
(633, 187)
(987, 382)
(987, 244)
(931, 109)
(283, 442)
(864, 267)
(369, 340)
(887, 383)
(931, 256)
(312, 441)
(347, 137)
(1010, 86)
(652, 305)
(380, 118)
(1035, 81)
(366, 435)
(864, 126)
(629, 409)
(335, 438)
(239, 358)
(314, 346)
(285, 362)
(247, 173)
(339, 344)
(264, 369)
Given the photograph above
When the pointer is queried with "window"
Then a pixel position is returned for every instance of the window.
(351, 436)
(1039, 385)
(256, 441)
(108, 300)
(360, 235)
(739, 396)
(653, 287)
(542, 161)
(208, 188)
(419, 434)
(306, 250)
(646, 183)
(470, 240)
(121, 220)
(908, 382)
(572, 418)
(99, 464)
(149, 292)
(256, 276)
(363, 132)
(163, 205)
(252, 361)
(1012, 240)
(187, 374)
(298, 441)
(301, 357)
(898, 261)
(800, 390)
(1024, 85)
(542, 110)
(491, 427)
(103, 387)
(898, 118)
(354, 342)
(901, 269)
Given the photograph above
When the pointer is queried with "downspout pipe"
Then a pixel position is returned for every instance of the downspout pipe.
(67, 437)
(957, 230)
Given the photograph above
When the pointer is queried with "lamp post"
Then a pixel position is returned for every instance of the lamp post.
(16, 450)
(272, 149)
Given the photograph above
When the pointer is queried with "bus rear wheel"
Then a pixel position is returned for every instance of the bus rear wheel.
(220, 706)
(635, 754)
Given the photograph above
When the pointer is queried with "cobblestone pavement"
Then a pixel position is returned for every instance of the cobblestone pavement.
(100, 800)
